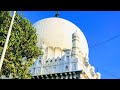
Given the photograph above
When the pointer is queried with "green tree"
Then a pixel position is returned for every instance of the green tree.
(22, 43)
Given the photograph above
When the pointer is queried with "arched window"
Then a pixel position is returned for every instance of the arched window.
(66, 59)
(40, 61)
(66, 68)
(55, 60)
(74, 66)
(38, 70)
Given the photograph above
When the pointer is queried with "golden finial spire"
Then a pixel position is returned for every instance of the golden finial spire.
(57, 14)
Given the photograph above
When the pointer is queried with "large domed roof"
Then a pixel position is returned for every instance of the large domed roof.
(57, 32)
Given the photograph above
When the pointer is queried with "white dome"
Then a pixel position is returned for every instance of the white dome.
(57, 32)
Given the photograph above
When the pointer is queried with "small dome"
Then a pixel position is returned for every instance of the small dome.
(57, 32)
(75, 34)
(98, 73)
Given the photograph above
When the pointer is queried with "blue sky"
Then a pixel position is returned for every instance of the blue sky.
(97, 26)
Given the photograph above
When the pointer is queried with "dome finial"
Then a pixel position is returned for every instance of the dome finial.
(57, 14)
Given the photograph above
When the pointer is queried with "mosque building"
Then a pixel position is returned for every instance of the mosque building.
(65, 52)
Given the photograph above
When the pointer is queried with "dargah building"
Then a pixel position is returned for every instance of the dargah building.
(65, 51)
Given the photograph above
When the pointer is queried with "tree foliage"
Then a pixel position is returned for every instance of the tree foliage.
(22, 43)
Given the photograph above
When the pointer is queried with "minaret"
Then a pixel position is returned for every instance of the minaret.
(43, 56)
(75, 45)
(86, 59)
(42, 48)
(98, 75)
